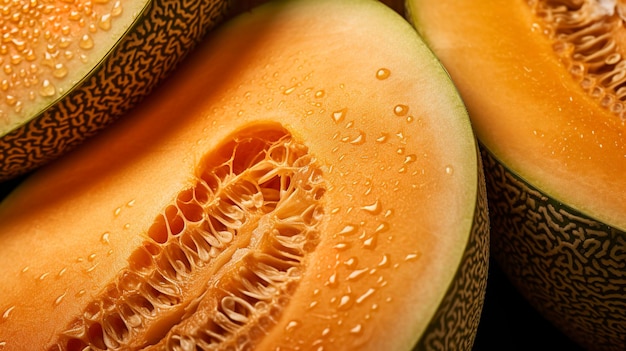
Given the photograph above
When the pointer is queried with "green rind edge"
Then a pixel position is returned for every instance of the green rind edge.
(455, 324)
(569, 266)
(169, 30)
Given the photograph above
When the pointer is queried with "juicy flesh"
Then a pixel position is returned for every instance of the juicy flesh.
(43, 43)
(590, 38)
(220, 261)
(398, 160)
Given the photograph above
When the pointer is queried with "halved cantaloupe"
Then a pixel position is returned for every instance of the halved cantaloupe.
(544, 85)
(71, 67)
(309, 180)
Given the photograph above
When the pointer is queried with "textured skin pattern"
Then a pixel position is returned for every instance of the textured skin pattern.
(166, 33)
(455, 323)
(571, 268)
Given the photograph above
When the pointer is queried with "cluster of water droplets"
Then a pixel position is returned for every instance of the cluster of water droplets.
(41, 41)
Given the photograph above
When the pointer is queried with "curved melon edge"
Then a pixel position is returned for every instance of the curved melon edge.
(469, 283)
(71, 120)
(543, 245)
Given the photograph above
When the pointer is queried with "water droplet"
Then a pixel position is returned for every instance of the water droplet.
(382, 138)
(60, 298)
(359, 139)
(357, 329)
(60, 70)
(7, 313)
(349, 229)
(61, 272)
(382, 227)
(374, 208)
(90, 269)
(339, 115)
(85, 42)
(370, 243)
(357, 273)
(401, 110)
(449, 170)
(332, 280)
(105, 22)
(365, 295)
(91, 257)
(320, 93)
(117, 211)
(105, 238)
(342, 246)
(351, 262)
(384, 261)
(47, 89)
(383, 74)
(345, 302)
(412, 256)
(292, 325)
(289, 90)
(410, 158)
(43, 276)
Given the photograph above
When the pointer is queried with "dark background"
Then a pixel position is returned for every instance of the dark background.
(508, 323)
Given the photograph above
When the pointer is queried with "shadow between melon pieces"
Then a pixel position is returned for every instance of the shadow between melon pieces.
(570, 267)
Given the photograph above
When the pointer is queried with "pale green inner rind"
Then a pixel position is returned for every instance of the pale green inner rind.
(551, 198)
(464, 300)
(546, 178)
(104, 44)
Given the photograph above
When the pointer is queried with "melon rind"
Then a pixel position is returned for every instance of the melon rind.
(455, 324)
(158, 40)
(458, 302)
(569, 266)
(567, 260)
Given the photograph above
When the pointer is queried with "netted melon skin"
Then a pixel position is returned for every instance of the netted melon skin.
(456, 321)
(569, 266)
(167, 31)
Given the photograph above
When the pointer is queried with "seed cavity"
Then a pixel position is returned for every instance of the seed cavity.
(221, 261)
(587, 35)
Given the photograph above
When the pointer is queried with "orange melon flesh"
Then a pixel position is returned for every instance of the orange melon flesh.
(538, 121)
(390, 156)
(50, 46)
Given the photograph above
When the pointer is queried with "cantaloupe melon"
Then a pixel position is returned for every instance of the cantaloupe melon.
(71, 67)
(313, 184)
(544, 85)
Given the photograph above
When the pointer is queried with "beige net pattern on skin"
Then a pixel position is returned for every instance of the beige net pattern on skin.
(220, 262)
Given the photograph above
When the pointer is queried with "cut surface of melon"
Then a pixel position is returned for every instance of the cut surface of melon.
(49, 46)
(313, 184)
(532, 106)
(544, 83)
(69, 68)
